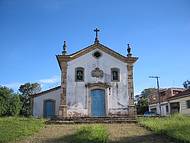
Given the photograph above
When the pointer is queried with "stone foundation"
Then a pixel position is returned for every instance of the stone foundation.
(63, 111)
(132, 111)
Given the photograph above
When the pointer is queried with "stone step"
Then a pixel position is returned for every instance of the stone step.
(77, 120)
(92, 118)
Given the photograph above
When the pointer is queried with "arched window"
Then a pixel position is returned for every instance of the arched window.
(115, 74)
(79, 74)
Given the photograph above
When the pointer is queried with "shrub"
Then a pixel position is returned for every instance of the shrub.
(26, 109)
(5, 95)
(14, 106)
(9, 102)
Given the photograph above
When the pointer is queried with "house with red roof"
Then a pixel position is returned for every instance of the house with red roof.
(172, 100)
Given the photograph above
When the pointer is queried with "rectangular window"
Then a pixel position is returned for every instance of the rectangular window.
(115, 74)
(153, 110)
(188, 103)
(79, 74)
(167, 109)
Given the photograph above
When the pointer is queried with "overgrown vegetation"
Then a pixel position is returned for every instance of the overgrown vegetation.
(10, 104)
(90, 134)
(13, 104)
(176, 126)
(14, 128)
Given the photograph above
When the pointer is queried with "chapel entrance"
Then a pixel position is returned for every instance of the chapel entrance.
(49, 108)
(98, 103)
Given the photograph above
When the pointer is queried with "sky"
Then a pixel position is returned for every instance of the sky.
(32, 33)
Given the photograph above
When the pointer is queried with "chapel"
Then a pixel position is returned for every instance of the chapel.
(95, 82)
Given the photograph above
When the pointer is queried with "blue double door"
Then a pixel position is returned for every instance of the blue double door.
(98, 103)
(49, 108)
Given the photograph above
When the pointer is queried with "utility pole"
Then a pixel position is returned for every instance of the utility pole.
(158, 90)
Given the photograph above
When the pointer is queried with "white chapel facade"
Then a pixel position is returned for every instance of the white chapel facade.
(95, 82)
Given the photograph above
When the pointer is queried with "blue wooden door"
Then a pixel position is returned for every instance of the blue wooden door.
(49, 108)
(98, 103)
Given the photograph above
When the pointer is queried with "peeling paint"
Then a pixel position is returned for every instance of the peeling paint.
(78, 93)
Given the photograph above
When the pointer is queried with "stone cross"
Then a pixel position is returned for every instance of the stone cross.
(96, 39)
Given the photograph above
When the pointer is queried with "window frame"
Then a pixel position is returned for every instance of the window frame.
(113, 70)
(77, 69)
(96, 56)
(188, 104)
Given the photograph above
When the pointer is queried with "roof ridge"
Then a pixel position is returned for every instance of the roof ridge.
(46, 91)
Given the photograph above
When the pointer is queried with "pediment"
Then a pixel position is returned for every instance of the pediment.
(125, 59)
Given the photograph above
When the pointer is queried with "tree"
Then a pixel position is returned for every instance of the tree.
(30, 88)
(14, 105)
(5, 95)
(186, 84)
(10, 104)
(142, 104)
(26, 91)
(148, 91)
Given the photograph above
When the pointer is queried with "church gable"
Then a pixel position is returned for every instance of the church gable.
(127, 59)
(101, 47)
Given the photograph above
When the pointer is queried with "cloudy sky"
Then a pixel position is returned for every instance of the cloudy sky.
(32, 33)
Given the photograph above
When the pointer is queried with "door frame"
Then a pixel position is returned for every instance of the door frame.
(44, 106)
(90, 99)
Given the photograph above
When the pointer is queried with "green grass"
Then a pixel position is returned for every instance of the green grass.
(176, 126)
(15, 128)
(90, 134)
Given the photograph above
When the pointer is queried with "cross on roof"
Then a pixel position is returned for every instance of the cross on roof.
(96, 39)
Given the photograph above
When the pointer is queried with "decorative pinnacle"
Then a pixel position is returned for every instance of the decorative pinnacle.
(64, 52)
(128, 51)
(96, 39)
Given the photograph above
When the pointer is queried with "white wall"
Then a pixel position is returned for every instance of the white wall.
(39, 101)
(77, 93)
(183, 105)
(163, 108)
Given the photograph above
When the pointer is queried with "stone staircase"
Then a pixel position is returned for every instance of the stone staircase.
(89, 120)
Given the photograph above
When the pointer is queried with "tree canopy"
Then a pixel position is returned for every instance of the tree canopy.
(10, 103)
(186, 84)
(148, 91)
(142, 104)
(30, 88)
(26, 90)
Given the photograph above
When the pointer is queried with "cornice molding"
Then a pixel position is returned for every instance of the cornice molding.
(125, 59)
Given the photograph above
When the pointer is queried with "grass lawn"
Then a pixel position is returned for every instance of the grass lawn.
(176, 127)
(95, 133)
(89, 134)
(16, 128)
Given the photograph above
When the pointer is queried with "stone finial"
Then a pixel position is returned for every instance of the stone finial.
(64, 52)
(128, 51)
(96, 38)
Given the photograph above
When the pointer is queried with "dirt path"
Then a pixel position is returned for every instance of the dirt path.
(118, 133)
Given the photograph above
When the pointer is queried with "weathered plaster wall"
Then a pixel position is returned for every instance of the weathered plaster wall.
(183, 105)
(78, 94)
(39, 101)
